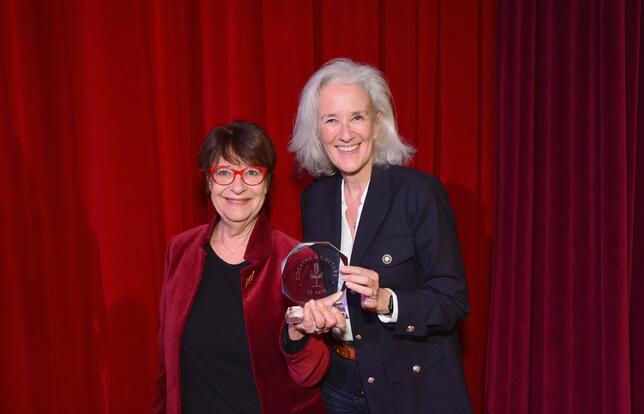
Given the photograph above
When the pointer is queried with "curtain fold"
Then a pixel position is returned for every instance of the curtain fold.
(562, 323)
(103, 106)
(635, 134)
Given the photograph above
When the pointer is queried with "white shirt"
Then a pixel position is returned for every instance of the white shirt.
(346, 247)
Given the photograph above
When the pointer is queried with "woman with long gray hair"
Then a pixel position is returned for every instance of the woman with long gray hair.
(398, 350)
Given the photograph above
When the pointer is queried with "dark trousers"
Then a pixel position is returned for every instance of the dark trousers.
(342, 387)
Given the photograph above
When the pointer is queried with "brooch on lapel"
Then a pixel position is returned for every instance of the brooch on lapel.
(249, 279)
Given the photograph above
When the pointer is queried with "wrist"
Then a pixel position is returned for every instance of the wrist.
(386, 304)
(294, 334)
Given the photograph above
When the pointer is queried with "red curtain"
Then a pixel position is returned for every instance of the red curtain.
(103, 106)
(566, 330)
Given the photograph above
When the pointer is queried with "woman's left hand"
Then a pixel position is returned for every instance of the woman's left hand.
(366, 282)
(319, 316)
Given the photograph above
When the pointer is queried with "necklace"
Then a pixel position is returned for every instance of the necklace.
(352, 217)
(353, 205)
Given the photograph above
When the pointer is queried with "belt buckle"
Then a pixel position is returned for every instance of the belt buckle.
(346, 350)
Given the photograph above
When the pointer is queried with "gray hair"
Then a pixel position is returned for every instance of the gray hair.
(389, 149)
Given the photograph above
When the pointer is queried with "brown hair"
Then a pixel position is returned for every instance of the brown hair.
(238, 142)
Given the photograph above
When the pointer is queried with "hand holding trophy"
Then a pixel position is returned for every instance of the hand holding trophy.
(311, 271)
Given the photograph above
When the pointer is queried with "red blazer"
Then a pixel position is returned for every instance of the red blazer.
(285, 383)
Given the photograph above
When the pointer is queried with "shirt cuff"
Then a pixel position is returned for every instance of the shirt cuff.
(393, 318)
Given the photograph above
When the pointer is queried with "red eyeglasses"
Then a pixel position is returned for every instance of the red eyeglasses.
(223, 175)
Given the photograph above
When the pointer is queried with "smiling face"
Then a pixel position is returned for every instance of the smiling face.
(348, 125)
(237, 202)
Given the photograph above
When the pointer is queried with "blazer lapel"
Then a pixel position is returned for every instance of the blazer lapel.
(335, 227)
(374, 210)
(324, 221)
(329, 225)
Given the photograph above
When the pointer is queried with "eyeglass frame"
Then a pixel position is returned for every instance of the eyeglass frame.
(264, 171)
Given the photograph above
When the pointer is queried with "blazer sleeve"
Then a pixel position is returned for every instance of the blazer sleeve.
(308, 366)
(160, 398)
(440, 301)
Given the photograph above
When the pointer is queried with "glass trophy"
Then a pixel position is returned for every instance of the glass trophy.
(311, 271)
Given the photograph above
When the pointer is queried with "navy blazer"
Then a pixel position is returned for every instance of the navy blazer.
(406, 233)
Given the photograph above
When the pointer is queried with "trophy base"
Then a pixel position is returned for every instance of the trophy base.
(294, 315)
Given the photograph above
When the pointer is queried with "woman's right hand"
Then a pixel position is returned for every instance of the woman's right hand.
(320, 316)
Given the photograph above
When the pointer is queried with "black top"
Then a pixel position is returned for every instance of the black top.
(216, 371)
